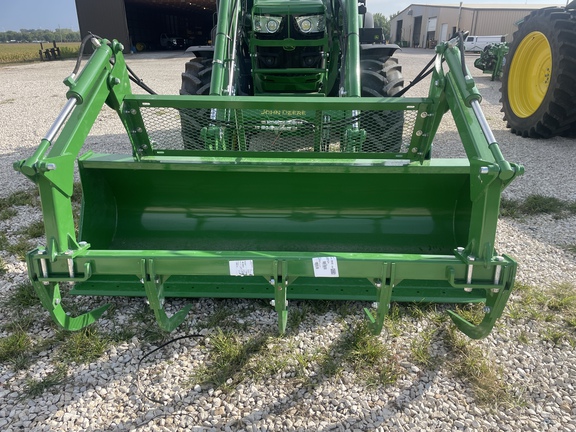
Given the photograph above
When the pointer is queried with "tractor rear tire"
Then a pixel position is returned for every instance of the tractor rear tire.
(382, 78)
(195, 81)
(539, 78)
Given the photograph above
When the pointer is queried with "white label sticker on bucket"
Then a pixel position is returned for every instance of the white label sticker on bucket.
(325, 267)
(241, 268)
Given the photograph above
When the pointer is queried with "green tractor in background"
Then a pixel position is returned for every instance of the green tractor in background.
(539, 78)
(296, 48)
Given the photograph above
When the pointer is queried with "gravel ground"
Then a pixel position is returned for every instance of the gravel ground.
(113, 393)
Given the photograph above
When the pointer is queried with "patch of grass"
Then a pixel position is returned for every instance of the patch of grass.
(554, 335)
(530, 304)
(77, 193)
(3, 268)
(83, 346)
(420, 347)
(563, 302)
(21, 361)
(27, 197)
(23, 297)
(472, 312)
(393, 321)
(474, 365)
(545, 305)
(7, 213)
(296, 316)
(537, 204)
(523, 338)
(17, 344)
(229, 357)
(20, 248)
(34, 230)
(36, 387)
(4, 243)
(23, 322)
(367, 355)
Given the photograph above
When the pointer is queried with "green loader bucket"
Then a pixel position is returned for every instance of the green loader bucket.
(232, 197)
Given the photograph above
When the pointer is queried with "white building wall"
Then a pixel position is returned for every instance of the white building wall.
(411, 26)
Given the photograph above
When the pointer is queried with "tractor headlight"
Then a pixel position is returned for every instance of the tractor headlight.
(266, 24)
(311, 23)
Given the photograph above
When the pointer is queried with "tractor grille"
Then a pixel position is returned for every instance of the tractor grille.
(278, 130)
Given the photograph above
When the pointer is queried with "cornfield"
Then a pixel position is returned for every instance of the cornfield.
(24, 52)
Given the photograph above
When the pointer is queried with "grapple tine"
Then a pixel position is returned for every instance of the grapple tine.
(167, 323)
(51, 300)
(154, 286)
(495, 302)
(478, 331)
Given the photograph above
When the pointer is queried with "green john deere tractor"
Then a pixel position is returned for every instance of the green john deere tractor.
(291, 167)
(296, 48)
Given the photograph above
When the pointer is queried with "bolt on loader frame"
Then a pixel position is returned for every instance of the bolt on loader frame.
(283, 202)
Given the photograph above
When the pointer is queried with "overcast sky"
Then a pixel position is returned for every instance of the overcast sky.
(54, 14)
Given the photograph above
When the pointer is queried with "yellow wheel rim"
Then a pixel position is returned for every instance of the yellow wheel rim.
(530, 73)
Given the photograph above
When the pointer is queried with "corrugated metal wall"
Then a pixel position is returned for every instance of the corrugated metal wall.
(497, 22)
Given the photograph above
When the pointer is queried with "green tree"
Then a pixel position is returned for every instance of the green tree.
(381, 21)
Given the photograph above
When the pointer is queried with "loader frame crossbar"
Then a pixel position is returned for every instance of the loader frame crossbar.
(463, 269)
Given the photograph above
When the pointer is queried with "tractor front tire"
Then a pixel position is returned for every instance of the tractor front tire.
(539, 78)
(381, 78)
(195, 81)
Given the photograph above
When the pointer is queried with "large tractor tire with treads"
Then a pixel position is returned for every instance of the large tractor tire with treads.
(195, 81)
(381, 78)
(539, 78)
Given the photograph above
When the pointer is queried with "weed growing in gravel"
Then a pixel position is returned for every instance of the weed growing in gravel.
(535, 205)
(472, 312)
(35, 387)
(3, 268)
(7, 213)
(22, 322)
(229, 356)
(83, 346)
(34, 230)
(297, 316)
(556, 304)
(23, 297)
(473, 364)
(366, 355)
(392, 323)
(4, 243)
(554, 335)
(14, 345)
(20, 248)
(77, 193)
(20, 198)
(420, 347)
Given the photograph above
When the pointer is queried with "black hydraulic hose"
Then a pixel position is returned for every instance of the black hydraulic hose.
(427, 70)
(81, 51)
(135, 79)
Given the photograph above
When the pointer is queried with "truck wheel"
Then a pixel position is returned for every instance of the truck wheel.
(195, 81)
(539, 79)
(381, 78)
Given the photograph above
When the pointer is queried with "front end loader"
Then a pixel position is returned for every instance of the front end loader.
(278, 182)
